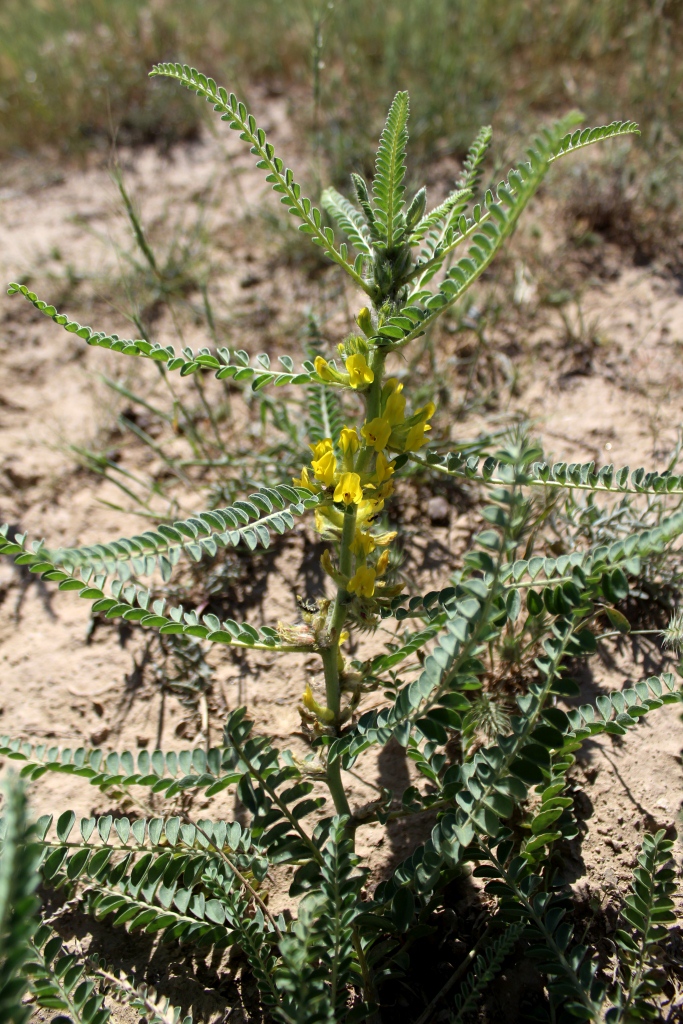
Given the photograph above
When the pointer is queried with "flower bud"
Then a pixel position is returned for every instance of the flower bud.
(364, 321)
(308, 700)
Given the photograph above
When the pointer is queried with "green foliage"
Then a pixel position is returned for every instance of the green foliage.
(493, 771)
(236, 366)
(318, 957)
(484, 970)
(134, 604)
(648, 909)
(156, 1009)
(18, 903)
(390, 170)
(280, 177)
(573, 476)
(523, 896)
(325, 415)
(485, 59)
(250, 522)
(59, 982)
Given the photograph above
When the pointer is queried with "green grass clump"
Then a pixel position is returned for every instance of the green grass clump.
(72, 76)
(70, 70)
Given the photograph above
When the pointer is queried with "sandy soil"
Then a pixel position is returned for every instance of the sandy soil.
(604, 385)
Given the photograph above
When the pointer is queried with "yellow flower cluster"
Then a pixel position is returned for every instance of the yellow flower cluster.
(391, 429)
(346, 472)
(336, 470)
(367, 490)
(358, 373)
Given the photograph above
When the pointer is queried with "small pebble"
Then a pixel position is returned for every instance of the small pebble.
(250, 281)
(438, 510)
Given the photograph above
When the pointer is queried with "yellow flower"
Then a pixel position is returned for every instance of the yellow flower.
(376, 433)
(325, 468)
(325, 371)
(385, 538)
(349, 489)
(320, 448)
(349, 440)
(383, 469)
(363, 582)
(382, 563)
(363, 544)
(309, 701)
(395, 409)
(305, 481)
(329, 567)
(409, 436)
(359, 371)
(386, 490)
(426, 412)
(416, 437)
(328, 520)
(391, 386)
(367, 509)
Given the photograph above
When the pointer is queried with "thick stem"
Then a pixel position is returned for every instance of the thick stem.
(373, 402)
(338, 613)
(336, 788)
(333, 698)
(375, 390)
(330, 655)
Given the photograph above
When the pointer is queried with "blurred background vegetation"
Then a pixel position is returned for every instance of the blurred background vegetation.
(73, 73)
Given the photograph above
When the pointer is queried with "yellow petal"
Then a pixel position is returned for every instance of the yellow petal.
(382, 563)
(362, 582)
(349, 440)
(359, 371)
(377, 433)
(309, 701)
(320, 448)
(325, 371)
(395, 409)
(416, 438)
(349, 489)
(363, 544)
(305, 481)
(325, 468)
(383, 468)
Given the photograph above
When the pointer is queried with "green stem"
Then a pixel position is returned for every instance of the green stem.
(375, 391)
(336, 788)
(330, 655)
(373, 401)
(272, 793)
(368, 985)
(558, 951)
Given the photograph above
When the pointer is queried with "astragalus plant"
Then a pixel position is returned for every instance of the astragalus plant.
(497, 805)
